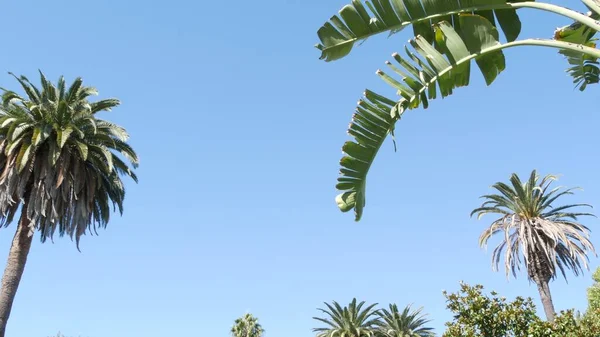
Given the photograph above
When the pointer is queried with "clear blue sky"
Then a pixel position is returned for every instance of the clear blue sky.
(239, 127)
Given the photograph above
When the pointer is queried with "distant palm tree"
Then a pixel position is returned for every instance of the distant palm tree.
(546, 236)
(408, 323)
(247, 326)
(61, 167)
(350, 321)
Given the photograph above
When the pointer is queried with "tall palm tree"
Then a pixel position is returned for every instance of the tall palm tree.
(448, 36)
(546, 236)
(350, 321)
(61, 168)
(408, 323)
(247, 326)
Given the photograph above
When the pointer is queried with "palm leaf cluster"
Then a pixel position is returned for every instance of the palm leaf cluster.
(546, 236)
(358, 320)
(59, 161)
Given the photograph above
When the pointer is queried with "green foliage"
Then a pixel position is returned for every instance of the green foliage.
(408, 323)
(594, 293)
(480, 315)
(448, 35)
(447, 66)
(349, 321)
(355, 321)
(247, 326)
(358, 21)
(60, 161)
(584, 68)
(548, 236)
(433, 68)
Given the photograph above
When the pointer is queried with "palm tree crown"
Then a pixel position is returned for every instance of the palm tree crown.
(408, 323)
(350, 321)
(59, 161)
(247, 326)
(546, 236)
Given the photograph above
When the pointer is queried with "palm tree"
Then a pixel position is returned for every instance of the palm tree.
(546, 236)
(61, 168)
(350, 321)
(247, 326)
(408, 323)
(440, 57)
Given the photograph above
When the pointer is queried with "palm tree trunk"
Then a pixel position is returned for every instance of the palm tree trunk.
(17, 257)
(546, 297)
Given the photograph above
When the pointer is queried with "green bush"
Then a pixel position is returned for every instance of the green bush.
(479, 315)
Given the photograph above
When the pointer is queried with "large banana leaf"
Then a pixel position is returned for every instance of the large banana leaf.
(583, 68)
(358, 21)
(428, 69)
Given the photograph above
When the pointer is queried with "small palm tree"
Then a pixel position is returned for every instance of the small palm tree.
(60, 167)
(546, 236)
(408, 323)
(247, 326)
(350, 321)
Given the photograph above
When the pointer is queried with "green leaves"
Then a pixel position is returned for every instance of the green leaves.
(421, 73)
(370, 125)
(349, 321)
(358, 21)
(247, 326)
(479, 35)
(409, 322)
(61, 158)
(583, 68)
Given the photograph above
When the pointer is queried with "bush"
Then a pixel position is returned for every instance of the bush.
(478, 315)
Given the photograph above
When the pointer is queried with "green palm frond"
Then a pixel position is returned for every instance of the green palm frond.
(349, 321)
(583, 68)
(361, 19)
(543, 236)
(59, 159)
(408, 323)
(422, 73)
(428, 71)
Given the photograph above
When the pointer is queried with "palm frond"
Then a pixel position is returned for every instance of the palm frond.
(358, 21)
(376, 115)
(427, 71)
(409, 322)
(583, 68)
(348, 321)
